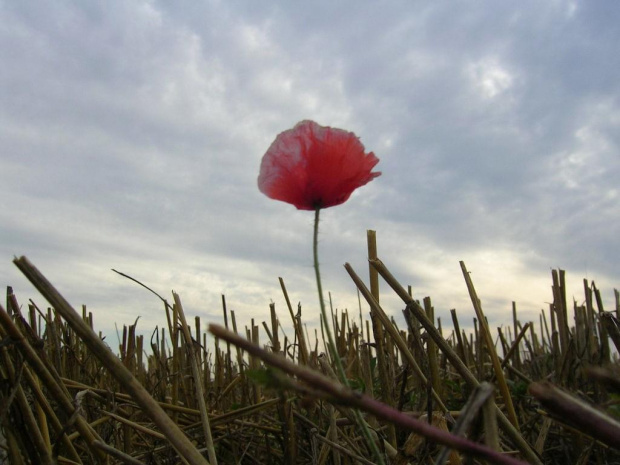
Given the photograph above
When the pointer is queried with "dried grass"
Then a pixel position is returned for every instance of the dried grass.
(258, 397)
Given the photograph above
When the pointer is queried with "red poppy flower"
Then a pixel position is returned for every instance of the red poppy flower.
(313, 166)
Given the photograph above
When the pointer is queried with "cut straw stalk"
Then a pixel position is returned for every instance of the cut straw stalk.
(41, 449)
(299, 332)
(467, 415)
(346, 396)
(55, 388)
(141, 396)
(202, 405)
(389, 327)
(431, 349)
(49, 414)
(339, 448)
(488, 339)
(124, 458)
(612, 327)
(514, 348)
(454, 359)
(382, 361)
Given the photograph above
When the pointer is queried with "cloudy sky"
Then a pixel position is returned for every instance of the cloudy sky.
(131, 135)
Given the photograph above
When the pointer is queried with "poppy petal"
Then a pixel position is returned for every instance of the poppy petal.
(313, 166)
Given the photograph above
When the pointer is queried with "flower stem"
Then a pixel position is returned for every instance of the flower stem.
(332, 345)
(326, 321)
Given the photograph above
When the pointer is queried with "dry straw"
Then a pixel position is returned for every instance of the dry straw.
(429, 396)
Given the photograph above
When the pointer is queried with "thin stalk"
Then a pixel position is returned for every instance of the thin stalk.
(470, 379)
(330, 338)
(202, 405)
(342, 395)
(332, 345)
(184, 447)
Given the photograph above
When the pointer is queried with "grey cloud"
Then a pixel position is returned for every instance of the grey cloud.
(138, 128)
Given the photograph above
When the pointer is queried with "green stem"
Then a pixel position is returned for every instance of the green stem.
(332, 345)
(326, 321)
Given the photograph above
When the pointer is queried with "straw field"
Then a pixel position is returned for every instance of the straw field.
(544, 392)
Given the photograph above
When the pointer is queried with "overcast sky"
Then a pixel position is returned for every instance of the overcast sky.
(131, 135)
